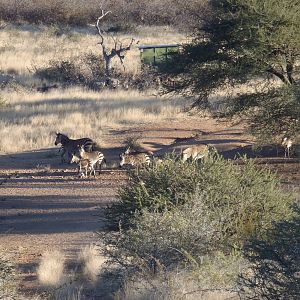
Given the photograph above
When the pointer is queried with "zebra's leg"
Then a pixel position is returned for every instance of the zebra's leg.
(69, 154)
(96, 166)
(79, 170)
(99, 164)
(92, 168)
(62, 155)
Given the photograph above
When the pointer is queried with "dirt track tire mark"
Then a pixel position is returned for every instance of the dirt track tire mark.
(8, 176)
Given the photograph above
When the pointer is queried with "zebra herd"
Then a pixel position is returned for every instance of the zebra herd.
(85, 153)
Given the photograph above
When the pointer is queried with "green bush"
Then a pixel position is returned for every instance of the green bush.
(274, 263)
(195, 218)
(244, 199)
(189, 233)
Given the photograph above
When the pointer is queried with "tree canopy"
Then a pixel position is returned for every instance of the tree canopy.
(244, 42)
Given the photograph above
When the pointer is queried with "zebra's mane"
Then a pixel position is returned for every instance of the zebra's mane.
(64, 138)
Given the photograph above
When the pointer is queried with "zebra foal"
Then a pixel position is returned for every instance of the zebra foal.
(84, 165)
(94, 157)
(134, 158)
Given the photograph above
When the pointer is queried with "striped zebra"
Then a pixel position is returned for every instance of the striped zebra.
(95, 158)
(70, 146)
(84, 165)
(134, 158)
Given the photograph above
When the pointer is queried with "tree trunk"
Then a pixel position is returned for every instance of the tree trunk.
(108, 69)
(108, 66)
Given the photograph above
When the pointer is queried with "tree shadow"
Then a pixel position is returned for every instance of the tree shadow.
(51, 213)
(70, 105)
(274, 262)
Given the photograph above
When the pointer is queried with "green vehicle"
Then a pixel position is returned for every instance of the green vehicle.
(155, 54)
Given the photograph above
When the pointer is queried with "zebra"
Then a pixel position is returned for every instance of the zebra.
(195, 152)
(134, 158)
(287, 143)
(70, 146)
(94, 158)
(83, 165)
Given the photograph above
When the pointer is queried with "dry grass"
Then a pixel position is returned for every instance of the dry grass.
(26, 47)
(91, 261)
(30, 119)
(68, 291)
(173, 286)
(51, 268)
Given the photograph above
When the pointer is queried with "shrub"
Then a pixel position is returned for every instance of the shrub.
(124, 15)
(278, 112)
(86, 70)
(194, 217)
(89, 70)
(274, 263)
(91, 262)
(178, 285)
(133, 143)
(189, 233)
(246, 199)
(8, 279)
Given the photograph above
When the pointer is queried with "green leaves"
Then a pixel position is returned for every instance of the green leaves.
(242, 199)
(241, 43)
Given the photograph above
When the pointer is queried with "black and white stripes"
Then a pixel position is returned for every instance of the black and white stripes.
(70, 146)
(134, 158)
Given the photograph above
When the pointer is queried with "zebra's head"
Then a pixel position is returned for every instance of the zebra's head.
(122, 159)
(58, 138)
(81, 150)
(75, 158)
(285, 140)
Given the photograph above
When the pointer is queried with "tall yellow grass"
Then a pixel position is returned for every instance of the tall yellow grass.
(24, 48)
(51, 268)
(91, 261)
(30, 120)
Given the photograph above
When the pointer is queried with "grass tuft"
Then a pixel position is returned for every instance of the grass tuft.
(91, 261)
(51, 269)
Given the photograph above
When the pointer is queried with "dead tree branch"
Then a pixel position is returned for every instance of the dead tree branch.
(117, 50)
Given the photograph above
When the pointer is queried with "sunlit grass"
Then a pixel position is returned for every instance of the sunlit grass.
(23, 49)
(30, 120)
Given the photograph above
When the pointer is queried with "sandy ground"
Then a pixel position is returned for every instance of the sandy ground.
(45, 206)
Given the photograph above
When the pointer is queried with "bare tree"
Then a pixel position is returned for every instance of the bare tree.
(118, 50)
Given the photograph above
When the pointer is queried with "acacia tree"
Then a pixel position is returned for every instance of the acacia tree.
(246, 41)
